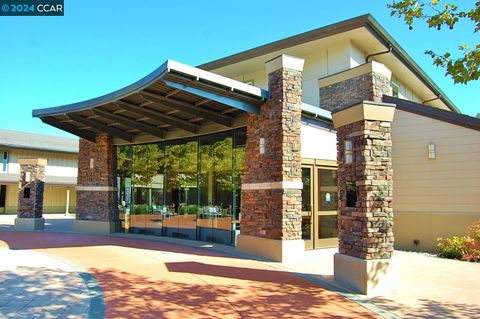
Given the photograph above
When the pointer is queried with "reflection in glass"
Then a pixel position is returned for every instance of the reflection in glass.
(181, 191)
(307, 227)
(185, 188)
(215, 185)
(327, 226)
(327, 198)
(306, 191)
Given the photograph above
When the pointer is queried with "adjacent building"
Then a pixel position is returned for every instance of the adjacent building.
(330, 137)
(60, 174)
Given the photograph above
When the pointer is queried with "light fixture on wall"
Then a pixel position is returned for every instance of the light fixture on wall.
(262, 145)
(92, 163)
(432, 151)
(348, 151)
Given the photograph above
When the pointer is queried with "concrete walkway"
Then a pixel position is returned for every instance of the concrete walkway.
(34, 285)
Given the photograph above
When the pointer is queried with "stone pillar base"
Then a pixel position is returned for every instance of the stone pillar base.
(370, 277)
(96, 227)
(29, 224)
(276, 250)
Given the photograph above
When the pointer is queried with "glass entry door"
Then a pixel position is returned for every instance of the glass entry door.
(319, 206)
(307, 206)
(326, 201)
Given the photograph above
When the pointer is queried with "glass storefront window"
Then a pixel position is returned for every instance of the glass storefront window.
(182, 167)
(186, 188)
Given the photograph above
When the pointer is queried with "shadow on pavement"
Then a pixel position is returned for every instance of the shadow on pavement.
(430, 309)
(45, 240)
(228, 295)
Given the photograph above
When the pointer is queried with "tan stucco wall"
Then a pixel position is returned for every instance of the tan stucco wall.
(439, 197)
(54, 201)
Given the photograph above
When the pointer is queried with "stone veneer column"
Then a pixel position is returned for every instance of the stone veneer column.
(365, 230)
(271, 191)
(30, 194)
(367, 82)
(97, 203)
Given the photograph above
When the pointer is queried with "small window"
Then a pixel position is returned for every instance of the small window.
(395, 88)
(351, 200)
(26, 192)
(4, 161)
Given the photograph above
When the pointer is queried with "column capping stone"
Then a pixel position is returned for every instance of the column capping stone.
(284, 61)
(367, 110)
(369, 67)
(273, 185)
(33, 161)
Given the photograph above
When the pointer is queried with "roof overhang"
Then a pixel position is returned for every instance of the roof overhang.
(366, 22)
(176, 100)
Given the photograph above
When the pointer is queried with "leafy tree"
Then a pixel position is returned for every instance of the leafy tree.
(477, 116)
(463, 67)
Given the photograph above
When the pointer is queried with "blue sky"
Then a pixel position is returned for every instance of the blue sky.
(101, 46)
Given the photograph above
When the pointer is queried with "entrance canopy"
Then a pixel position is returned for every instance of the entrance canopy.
(176, 100)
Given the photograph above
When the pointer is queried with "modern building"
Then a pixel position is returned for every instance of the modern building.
(330, 137)
(61, 170)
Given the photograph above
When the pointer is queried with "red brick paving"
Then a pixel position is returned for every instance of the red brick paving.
(149, 279)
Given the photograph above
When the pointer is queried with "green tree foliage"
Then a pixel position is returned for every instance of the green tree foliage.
(464, 66)
(181, 164)
(148, 161)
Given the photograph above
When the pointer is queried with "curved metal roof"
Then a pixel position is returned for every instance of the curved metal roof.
(175, 96)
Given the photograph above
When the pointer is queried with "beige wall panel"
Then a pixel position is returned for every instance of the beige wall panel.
(439, 197)
(54, 200)
(427, 227)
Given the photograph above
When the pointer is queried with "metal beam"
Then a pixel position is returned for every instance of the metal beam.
(237, 104)
(159, 116)
(188, 108)
(102, 127)
(88, 135)
(131, 122)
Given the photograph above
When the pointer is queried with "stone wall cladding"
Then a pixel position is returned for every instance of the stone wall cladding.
(366, 231)
(275, 213)
(366, 87)
(99, 205)
(31, 207)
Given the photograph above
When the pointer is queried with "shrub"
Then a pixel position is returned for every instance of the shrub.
(452, 248)
(472, 252)
(465, 248)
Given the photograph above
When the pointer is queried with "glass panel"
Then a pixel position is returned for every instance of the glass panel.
(327, 226)
(181, 189)
(4, 161)
(148, 184)
(124, 184)
(306, 191)
(327, 190)
(307, 227)
(215, 186)
(239, 163)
